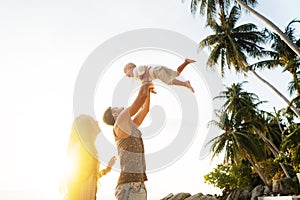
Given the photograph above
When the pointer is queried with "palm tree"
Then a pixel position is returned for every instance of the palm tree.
(235, 140)
(241, 107)
(290, 139)
(282, 55)
(267, 127)
(211, 10)
(237, 98)
(209, 7)
(277, 30)
(291, 145)
(238, 145)
(231, 43)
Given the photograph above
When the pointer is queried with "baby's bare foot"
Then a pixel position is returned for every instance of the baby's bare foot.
(152, 90)
(188, 85)
(189, 60)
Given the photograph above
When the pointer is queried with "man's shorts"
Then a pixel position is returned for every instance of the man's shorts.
(131, 191)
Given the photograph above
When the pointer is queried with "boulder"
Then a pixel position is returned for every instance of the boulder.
(180, 196)
(234, 195)
(286, 186)
(207, 197)
(168, 196)
(239, 195)
(283, 186)
(245, 195)
(267, 191)
(195, 197)
(200, 196)
(276, 184)
(256, 192)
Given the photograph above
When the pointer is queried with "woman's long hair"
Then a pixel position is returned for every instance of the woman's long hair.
(82, 156)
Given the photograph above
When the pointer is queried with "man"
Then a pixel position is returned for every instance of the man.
(130, 145)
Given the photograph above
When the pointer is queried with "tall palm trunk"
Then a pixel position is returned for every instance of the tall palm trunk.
(272, 26)
(295, 77)
(270, 144)
(259, 172)
(275, 151)
(293, 108)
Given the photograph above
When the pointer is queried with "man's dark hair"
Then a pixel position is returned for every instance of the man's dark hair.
(108, 117)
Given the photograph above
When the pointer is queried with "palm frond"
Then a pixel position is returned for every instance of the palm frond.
(233, 17)
(269, 64)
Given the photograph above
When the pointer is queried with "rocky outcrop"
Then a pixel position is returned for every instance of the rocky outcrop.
(284, 186)
(168, 196)
(195, 197)
(188, 196)
(260, 190)
(200, 196)
(206, 197)
(245, 195)
(180, 196)
(257, 191)
(234, 195)
(239, 195)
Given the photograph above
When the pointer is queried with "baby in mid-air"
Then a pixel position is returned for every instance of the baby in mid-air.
(162, 73)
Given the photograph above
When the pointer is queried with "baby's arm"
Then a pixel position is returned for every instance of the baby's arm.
(141, 77)
(140, 72)
(146, 78)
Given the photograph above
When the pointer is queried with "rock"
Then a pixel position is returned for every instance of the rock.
(195, 197)
(206, 197)
(168, 196)
(239, 195)
(282, 186)
(234, 195)
(276, 186)
(256, 192)
(180, 196)
(245, 195)
(267, 191)
(286, 186)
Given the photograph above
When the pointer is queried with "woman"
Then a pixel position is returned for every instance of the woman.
(83, 164)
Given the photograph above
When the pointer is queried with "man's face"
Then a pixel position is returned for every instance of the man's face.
(116, 111)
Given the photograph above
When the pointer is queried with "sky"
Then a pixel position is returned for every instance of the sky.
(45, 44)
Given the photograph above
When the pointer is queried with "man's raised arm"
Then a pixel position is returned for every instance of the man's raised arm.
(140, 99)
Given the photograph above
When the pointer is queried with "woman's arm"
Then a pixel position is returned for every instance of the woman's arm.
(108, 168)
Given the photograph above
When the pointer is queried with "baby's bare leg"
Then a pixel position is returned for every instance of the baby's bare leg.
(184, 64)
(183, 83)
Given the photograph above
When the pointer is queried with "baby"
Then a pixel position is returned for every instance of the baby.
(166, 75)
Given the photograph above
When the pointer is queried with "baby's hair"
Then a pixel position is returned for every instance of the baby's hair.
(128, 65)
